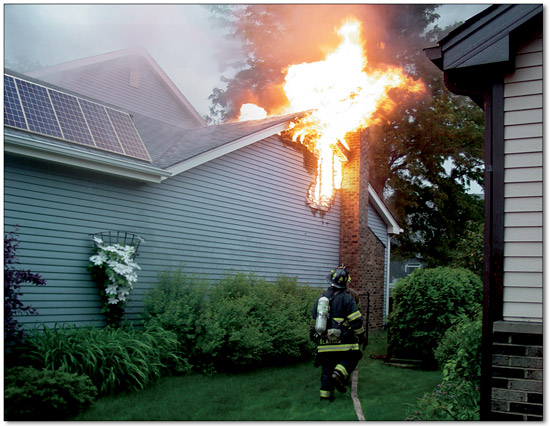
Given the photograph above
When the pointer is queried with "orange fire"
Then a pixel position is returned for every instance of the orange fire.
(343, 94)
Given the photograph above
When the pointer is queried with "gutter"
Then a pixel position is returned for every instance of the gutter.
(44, 150)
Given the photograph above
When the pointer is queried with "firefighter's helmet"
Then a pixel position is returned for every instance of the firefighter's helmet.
(339, 277)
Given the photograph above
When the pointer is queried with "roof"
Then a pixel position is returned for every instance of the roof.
(172, 148)
(115, 76)
(483, 47)
(483, 39)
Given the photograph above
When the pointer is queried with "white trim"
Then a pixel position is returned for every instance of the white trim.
(226, 148)
(120, 54)
(384, 213)
(88, 160)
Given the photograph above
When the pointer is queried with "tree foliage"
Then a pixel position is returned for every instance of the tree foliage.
(424, 154)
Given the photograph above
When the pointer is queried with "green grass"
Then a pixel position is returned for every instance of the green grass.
(277, 393)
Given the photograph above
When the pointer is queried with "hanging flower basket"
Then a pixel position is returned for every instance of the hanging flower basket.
(114, 270)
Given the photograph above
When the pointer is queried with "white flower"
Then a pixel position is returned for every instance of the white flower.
(119, 267)
(98, 259)
(111, 289)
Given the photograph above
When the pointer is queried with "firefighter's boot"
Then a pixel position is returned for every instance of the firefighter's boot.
(326, 396)
(340, 378)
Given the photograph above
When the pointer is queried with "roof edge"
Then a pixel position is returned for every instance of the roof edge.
(228, 148)
(385, 214)
(42, 150)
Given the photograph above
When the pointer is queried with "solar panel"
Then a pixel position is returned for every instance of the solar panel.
(100, 126)
(38, 109)
(71, 119)
(127, 134)
(30, 106)
(13, 112)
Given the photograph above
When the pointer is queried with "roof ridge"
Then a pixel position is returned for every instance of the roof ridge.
(131, 51)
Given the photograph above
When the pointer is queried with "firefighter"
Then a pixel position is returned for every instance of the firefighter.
(338, 334)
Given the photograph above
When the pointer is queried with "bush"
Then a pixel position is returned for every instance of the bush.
(250, 321)
(31, 394)
(241, 321)
(114, 359)
(449, 401)
(176, 304)
(459, 352)
(426, 303)
(13, 278)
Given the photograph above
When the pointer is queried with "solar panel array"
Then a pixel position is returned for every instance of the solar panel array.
(39, 109)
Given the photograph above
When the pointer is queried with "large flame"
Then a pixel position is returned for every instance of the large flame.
(343, 94)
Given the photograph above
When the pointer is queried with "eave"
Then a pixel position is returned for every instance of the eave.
(481, 50)
(384, 213)
(43, 150)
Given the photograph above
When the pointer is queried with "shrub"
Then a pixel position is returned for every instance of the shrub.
(114, 359)
(426, 303)
(13, 278)
(459, 352)
(469, 251)
(449, 401)
(31, 394)
(250, 321)
(176, 304)
(241, 321)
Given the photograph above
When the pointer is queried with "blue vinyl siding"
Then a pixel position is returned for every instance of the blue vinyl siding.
(244, 211)
(377, 226)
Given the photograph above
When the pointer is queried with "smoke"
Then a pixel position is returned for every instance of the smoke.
(179, 37)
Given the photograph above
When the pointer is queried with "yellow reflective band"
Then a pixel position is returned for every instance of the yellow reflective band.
(354, 316)
(342, 370)
(338, 319)
(325, 394)
(338, 348)
(359, 330)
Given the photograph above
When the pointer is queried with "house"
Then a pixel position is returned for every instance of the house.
(496, 58)
(207, 199)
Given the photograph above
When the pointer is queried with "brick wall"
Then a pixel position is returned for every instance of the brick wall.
(517, 391)
(353, 225)
(360, 250)
(374, 276)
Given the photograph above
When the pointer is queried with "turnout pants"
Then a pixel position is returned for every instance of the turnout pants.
(344, 362)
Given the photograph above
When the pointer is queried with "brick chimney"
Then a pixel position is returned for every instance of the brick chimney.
(360, 250)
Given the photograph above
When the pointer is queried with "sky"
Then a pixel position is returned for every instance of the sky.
(182, 38)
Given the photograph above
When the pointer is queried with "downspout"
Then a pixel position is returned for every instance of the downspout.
(388, 275)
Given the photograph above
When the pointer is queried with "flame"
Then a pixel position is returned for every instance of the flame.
(343, 94)
(252, 112)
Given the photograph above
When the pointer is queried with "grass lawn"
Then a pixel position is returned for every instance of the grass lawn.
(279, 393)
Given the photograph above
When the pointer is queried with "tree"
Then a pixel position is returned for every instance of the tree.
(423, 155)
(423, 158)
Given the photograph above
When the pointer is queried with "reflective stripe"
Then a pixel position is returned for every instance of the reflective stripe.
(359, 330)
(326, 394)
(342, 370)
(338, 348)
(354, 315)
(338, 319)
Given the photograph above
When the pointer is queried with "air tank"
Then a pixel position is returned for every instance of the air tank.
(322, 315)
